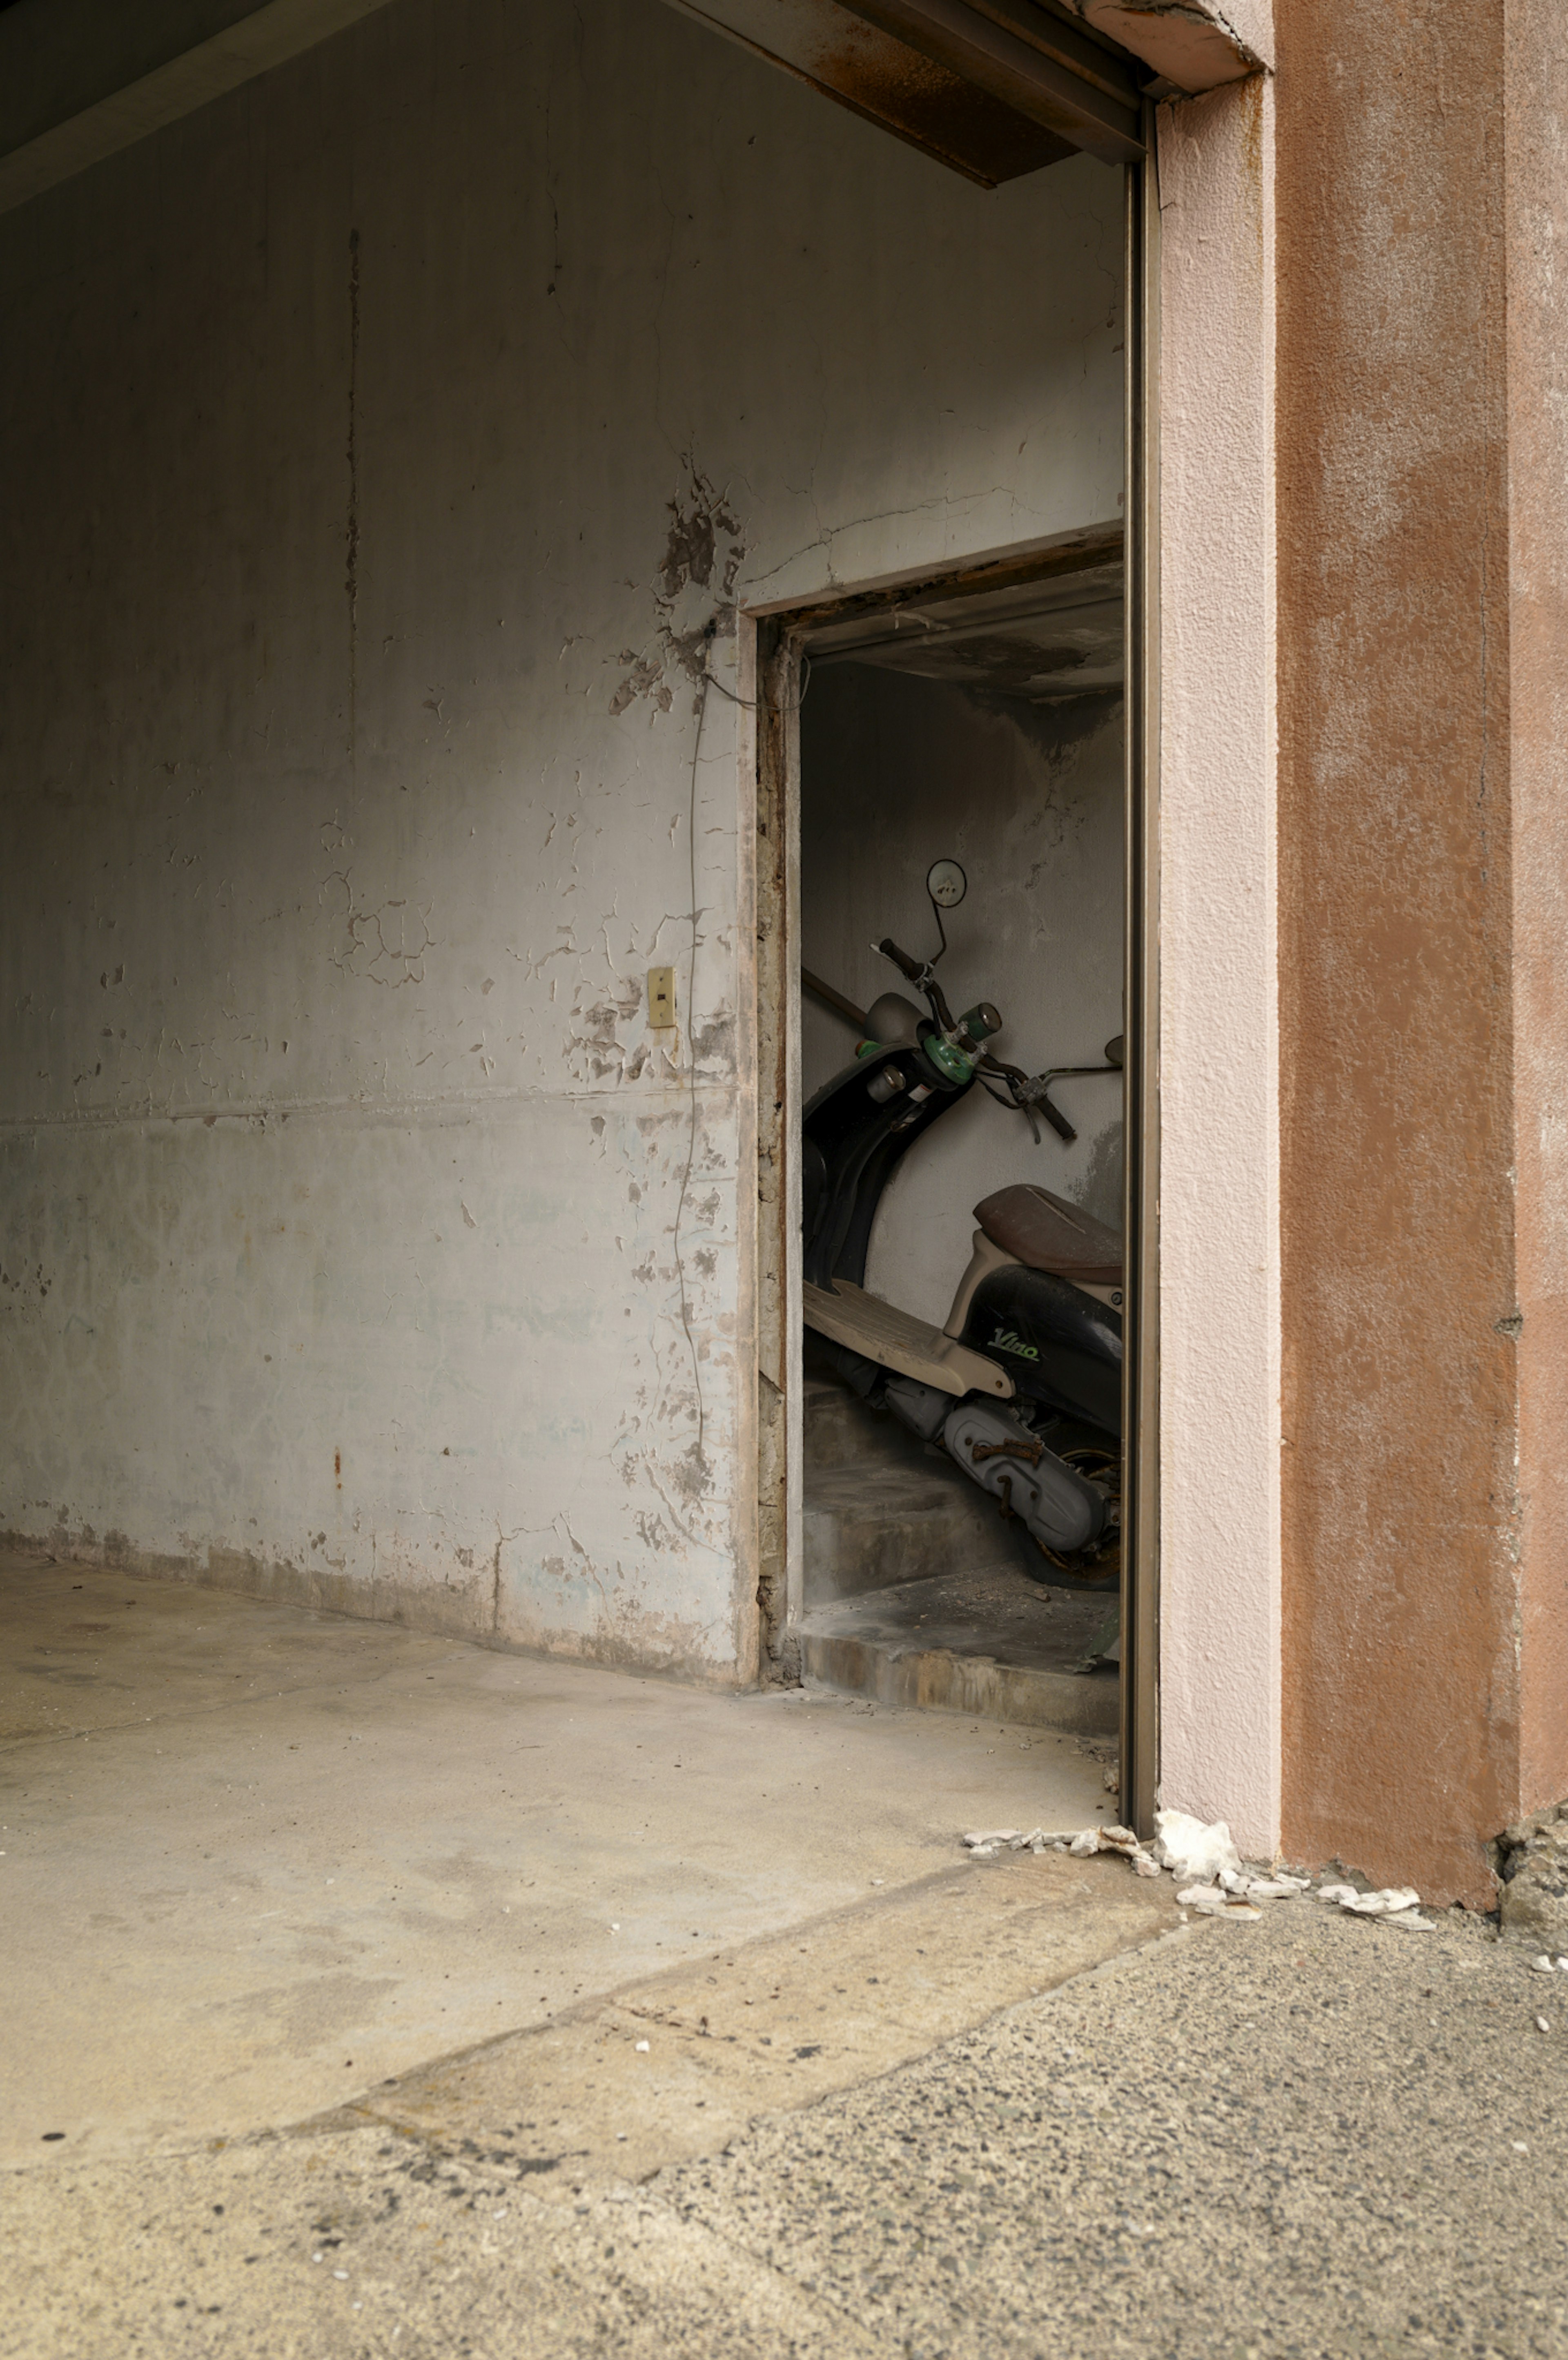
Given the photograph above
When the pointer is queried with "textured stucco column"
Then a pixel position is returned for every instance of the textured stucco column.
(1422, 467)
(1535, 85)
(1219, 1182)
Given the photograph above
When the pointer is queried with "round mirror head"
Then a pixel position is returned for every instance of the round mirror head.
(946, 883)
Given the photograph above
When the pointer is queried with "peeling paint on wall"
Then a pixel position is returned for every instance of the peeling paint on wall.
(691, 608)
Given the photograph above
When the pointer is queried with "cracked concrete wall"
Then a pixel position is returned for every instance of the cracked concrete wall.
(896, 772)
(387, 445)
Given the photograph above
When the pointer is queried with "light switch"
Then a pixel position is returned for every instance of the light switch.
(661, 997)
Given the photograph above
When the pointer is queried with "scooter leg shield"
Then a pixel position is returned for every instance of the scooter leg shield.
(1059, 1506)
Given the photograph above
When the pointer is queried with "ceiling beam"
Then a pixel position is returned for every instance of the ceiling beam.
(81, 79)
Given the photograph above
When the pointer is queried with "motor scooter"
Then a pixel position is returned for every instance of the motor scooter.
(1022, 1385)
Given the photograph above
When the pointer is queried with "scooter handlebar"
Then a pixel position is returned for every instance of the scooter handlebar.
(1029, 1095)
(927, 981)
(902, 959)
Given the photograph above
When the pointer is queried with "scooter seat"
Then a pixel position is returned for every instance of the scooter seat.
(1048, 1234)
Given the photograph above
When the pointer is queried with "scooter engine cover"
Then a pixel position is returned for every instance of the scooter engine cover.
(1061, 1508)
(1059, 1345)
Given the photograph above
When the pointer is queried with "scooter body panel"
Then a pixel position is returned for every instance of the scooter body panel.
(854, 1136)
(1061, 1347)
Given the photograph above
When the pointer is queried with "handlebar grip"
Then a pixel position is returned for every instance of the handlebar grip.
(1056, 1119)
(911, 967)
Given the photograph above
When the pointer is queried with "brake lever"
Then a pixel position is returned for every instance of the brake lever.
(1033, 1090)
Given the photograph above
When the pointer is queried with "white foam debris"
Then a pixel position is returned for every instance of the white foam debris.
(1201, 1856)
(1081, 1843)
(1214, 1901)
(1394, 1905)
(1384, 1904)
(1194, 1848)
(986, 1846)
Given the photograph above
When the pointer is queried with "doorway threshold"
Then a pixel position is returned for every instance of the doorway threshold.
(991, 1645)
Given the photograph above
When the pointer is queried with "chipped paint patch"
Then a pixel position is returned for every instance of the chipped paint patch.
(693, 595)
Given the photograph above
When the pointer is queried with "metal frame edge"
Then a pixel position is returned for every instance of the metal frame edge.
(1140, 1540)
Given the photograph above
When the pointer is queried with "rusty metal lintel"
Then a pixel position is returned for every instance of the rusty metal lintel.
(1069, 553)
(1038, 76)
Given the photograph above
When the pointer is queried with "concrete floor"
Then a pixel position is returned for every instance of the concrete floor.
(259, 1862)
(1307, 2138)
(975, 2112)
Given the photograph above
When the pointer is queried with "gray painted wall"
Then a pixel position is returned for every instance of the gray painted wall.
(386, 447)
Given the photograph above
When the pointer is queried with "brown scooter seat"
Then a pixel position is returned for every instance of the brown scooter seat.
(1048, 1234)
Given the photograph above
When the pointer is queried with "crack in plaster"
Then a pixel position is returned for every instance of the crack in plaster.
(386, 944)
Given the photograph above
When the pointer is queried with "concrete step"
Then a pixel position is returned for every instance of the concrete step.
(841, 1430)
(993, 1645)
(868, 1526)
(914, 1594)
(880, 1506)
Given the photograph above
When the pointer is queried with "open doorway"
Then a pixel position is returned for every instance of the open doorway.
(959, 951)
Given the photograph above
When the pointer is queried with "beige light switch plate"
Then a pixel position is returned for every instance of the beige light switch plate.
(661, 997)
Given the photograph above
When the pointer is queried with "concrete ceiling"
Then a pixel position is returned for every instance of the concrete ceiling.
(1041, 641)
(991, 88)
(81, 79)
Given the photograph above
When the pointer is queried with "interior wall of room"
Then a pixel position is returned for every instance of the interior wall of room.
(385, 448)
(898, 771)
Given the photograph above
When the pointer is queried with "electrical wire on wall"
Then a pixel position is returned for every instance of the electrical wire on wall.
(709, 681)
(692, 1065)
